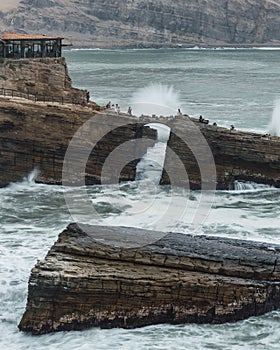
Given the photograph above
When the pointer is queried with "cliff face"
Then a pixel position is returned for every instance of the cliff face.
(37, 135)
(180, 278)
(142, 23)
(237, 155)
(46, 77)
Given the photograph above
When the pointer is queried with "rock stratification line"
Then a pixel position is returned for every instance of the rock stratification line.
(107, 277)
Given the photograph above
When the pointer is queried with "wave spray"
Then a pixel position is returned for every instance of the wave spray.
(158, 100)
(155, 99)
(274, 126)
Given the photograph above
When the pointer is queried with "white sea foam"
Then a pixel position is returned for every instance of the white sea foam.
(27, 236)
(250, 186)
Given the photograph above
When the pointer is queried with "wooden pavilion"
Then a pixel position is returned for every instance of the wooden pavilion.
(17, 45)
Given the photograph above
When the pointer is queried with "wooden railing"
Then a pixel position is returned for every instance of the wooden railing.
(38, 97)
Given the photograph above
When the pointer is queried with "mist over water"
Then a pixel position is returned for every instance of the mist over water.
(32, 176)
(159, 100)
(155, 99)
(274, 126)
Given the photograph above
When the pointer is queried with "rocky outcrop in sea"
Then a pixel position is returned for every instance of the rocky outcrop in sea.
(127, 277)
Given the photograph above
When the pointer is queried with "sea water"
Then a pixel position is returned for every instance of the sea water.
(237, 87)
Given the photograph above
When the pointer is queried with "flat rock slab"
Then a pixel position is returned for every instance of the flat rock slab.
(127, 277)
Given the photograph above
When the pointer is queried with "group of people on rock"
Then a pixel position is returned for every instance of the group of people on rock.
(116, 108)
(202, 120)
(206, 121)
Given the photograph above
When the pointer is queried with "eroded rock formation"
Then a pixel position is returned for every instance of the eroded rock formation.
(237, 155)
(37, 135)
(41, 78)
(126, 277)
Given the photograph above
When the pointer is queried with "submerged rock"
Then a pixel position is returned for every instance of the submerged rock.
(127, 277)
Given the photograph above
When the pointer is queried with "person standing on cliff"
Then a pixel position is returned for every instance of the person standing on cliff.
(87, 96)
(129, 111)
(117, 108)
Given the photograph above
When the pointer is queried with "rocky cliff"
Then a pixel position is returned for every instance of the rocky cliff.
(89, 279)
(37, 135)
(45, 78)
(237, 155)
(143, 23)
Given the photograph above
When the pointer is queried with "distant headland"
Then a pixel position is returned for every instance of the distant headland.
(146, 24)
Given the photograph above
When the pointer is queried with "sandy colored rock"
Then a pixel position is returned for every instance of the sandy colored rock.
(40, 78)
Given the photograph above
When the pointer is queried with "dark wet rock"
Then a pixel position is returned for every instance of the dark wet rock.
(108, 277)
(237, 155)
(37, 135)
(40, 113)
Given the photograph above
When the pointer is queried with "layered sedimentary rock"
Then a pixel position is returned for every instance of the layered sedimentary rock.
(40, 113)
(236, 155)
(40, 78)
(143, 23)
(37, 135)
(127, 277)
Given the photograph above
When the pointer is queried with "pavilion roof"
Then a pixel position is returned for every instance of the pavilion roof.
(20, 36)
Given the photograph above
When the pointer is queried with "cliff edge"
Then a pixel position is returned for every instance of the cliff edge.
(143, 23)
(46, 78)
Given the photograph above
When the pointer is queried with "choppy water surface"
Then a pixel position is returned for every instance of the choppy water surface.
(228, 86)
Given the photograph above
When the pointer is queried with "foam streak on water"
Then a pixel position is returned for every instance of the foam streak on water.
(250, 186)
(151, 165)
(33, 215)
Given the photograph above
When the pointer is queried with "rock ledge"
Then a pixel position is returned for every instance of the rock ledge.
(98, 276)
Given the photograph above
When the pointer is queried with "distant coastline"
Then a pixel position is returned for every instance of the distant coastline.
(89, 48)
(146, 24)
